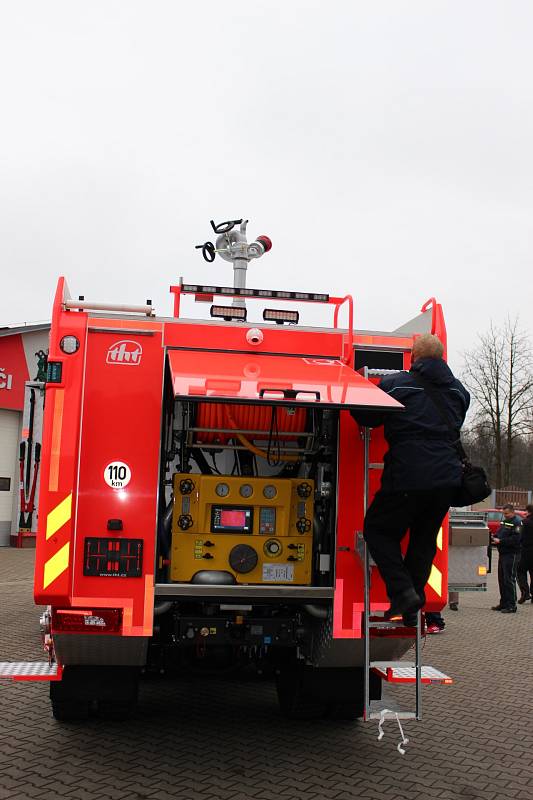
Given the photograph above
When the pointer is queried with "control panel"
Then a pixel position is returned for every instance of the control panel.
(258, 529)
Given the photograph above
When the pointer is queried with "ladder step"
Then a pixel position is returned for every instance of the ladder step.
(390, 705)
(30, 671)
(389, 624)
(405, 672)
(392, 715)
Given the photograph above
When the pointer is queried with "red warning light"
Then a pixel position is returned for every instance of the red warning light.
(266, 241)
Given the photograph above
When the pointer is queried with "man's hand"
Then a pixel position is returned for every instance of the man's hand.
(496, 541)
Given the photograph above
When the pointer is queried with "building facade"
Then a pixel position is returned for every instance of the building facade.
(23, 354)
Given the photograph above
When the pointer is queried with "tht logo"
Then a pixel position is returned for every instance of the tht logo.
(125, 352)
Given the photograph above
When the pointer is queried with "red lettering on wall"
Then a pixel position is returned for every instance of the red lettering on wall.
(13, 372)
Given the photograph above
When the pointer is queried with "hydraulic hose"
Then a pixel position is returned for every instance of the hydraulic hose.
(250, 417)
(257, 450)
(320, 612)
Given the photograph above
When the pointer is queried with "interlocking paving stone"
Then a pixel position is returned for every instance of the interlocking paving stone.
(222, 738)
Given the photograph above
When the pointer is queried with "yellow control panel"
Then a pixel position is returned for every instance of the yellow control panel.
(258, 529)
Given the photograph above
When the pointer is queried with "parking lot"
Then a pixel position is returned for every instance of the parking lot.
(224, 738)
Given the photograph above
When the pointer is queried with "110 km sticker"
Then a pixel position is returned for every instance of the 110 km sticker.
(117, 475)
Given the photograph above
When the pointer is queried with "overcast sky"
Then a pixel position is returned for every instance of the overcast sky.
(386, 148)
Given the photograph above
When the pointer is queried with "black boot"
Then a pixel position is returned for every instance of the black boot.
(523, 597)
(407, 602)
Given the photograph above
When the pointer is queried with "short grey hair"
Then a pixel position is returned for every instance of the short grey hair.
(427, 346)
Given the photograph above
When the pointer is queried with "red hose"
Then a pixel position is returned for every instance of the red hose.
(246, 417)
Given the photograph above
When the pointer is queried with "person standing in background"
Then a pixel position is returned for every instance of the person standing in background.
(507, 541)
(525, 564)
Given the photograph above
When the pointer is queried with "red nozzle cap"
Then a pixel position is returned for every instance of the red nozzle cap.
(266, 242)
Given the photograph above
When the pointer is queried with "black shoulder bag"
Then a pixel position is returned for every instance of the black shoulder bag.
(474, 485)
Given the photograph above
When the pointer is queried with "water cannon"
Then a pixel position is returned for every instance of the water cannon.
(232, 245)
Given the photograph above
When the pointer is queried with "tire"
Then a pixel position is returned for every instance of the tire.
(118, 693)
(69, 697)
(65, 711)
(111, 691)
(333, 692)
(296, 699)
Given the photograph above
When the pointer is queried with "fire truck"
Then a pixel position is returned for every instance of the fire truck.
(202, 496)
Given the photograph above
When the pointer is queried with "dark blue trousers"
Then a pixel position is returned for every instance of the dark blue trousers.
(507, 564)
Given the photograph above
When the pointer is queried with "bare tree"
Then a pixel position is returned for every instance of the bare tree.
(499, 374)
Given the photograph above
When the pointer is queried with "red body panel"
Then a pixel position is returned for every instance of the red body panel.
(122, 413)
(250, 377)
(108, 408)
(59, 461)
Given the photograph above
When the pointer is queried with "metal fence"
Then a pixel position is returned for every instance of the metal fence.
(512, 494)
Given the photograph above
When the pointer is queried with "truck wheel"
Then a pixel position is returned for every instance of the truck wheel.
(69, 711)
(332, 692)
(347, 692)
(118, 690)
(297, 696)
(69, 697)
(111, 690)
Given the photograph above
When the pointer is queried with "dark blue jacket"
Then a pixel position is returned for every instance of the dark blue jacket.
(509, 533)
(526, 536)
(421, 454)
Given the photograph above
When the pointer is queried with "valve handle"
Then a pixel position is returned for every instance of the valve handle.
(208, 251)
(225, 227)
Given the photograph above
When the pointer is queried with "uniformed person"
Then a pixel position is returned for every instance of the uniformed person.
(507, 541)
(525, 565)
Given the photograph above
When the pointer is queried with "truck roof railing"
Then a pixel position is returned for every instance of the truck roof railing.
(207, 293)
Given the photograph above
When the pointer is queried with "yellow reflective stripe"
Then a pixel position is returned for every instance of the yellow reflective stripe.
(439, 539)
(435, 580)
(58, 516)
(56, 565)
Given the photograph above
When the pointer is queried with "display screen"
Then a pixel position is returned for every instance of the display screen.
(231, 519)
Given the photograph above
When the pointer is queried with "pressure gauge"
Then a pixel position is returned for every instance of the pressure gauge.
(246, 490)
(222, 489)
(270, 491)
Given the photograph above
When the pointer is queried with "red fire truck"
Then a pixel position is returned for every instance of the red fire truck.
(203, 489)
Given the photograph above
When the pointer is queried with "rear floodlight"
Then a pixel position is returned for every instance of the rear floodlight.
(279, 317)
(228, 312)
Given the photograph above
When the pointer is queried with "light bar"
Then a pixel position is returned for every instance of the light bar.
(279, 317)
(229, 312)
(267, 294)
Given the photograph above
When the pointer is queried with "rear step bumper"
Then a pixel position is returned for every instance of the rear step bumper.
(30, 671)
(405, 672)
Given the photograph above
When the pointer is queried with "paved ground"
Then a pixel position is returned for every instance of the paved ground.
(221, 739)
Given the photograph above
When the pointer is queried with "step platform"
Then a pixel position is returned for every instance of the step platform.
(30, 671)
(405, 672)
